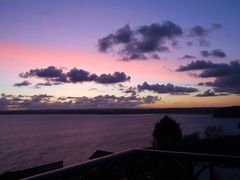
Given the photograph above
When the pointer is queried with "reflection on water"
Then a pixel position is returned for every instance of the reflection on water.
(32, 140)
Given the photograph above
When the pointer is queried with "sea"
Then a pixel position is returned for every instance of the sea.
(31, 140)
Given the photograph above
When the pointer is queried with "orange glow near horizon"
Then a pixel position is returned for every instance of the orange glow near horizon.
(22, 58)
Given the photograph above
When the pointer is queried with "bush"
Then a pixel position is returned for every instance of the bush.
(166, 133)
(213, 132)
(194, 137)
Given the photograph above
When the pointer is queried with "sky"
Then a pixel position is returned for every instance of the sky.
(119, 54)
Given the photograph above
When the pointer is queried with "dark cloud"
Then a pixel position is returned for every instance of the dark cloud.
(228, 84)
(41, 98)
(24, 83)
(205, 53)
(198, 31)
(105, 43)
(123, 35)
(201, 33)
(197, 65)
(130, 90)
(44, 101)
(214, 53)
(47, 83)
(204, 42)
(210, 93)
(52, 73)
(187, 57)
(226, 75)
(111, 101)
(142, 43)
(217, 26)
(55, 76)
(175, 43)
(206, 93)
(155, 56)
(151, 99)
(112, 78)
(189, 43)
(168, 88)
(221, 70)
(211, 69)
(78, 75)
(148, 41)
(24, 102)
(204, 83)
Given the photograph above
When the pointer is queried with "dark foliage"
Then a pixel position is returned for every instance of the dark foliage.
(167, 133)
(213, 132)
(226, 112)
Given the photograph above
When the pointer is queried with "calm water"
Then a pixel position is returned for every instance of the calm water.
(32, 140)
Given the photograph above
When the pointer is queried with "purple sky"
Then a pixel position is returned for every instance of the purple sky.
(83, 54)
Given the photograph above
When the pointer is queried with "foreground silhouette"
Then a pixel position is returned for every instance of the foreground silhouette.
(167, 133)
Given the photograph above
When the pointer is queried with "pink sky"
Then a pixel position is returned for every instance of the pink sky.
(36, 35)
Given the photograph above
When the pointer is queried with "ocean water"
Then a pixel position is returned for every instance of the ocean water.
(31, 140)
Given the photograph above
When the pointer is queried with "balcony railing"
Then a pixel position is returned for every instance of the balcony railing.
(142, 164)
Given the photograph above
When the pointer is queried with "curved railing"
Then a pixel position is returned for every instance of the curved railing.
(143, 164)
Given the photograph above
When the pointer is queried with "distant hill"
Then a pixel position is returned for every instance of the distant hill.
(225, 112)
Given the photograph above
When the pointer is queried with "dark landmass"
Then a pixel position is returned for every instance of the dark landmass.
(233, 111)
(209, 110)
(227, 112)
(225, 145)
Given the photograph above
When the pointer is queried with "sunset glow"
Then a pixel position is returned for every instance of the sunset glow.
(93, 51)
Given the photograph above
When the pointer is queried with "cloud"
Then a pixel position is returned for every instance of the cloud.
(226, 75)
(123, 35)
(47, 84)
(24, 83)
(52, 73)
(41, 98)
(44, 101)
(112, 78)
(189, 43)
(151, 99)
(228, 83)
(217, 26)
(204, 42)
(141, 43)
(197, 65)
(148, 41)
(187, 57)
(210, 93)
(206, 93)
(55, 76)
(166, 89)
(198, 31)
(201, 33)
(214, 53)
(130, 90)
(221, 70)
(78, 75)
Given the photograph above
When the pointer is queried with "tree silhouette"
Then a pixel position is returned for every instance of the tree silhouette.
(213, 132)
(166, 133)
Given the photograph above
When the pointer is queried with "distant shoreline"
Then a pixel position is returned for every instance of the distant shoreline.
(208, 110)
(222, 112)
